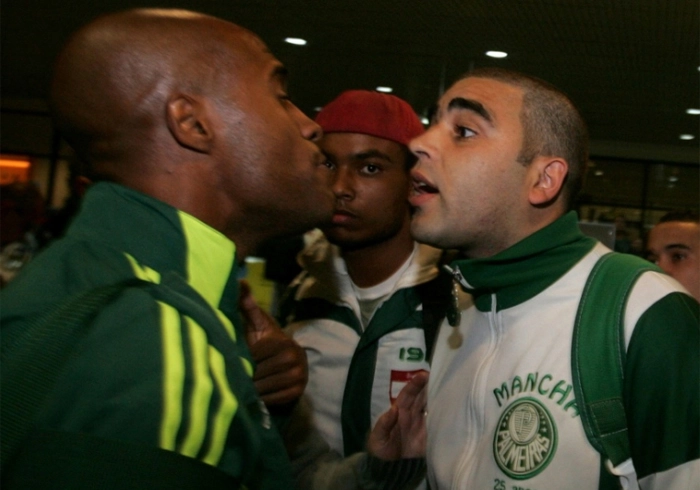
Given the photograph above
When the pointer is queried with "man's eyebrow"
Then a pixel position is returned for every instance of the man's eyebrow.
(460, 103)
(364, 155)
(672, 246)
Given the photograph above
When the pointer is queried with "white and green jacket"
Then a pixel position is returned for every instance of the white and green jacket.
(502, 411)
(354, 374)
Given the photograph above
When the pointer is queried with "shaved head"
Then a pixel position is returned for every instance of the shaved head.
(192, 110)
(114, 76)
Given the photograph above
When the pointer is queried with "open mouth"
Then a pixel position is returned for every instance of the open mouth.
(423, 191)
(420, 186)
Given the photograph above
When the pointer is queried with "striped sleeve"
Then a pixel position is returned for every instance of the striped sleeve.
(198, 402)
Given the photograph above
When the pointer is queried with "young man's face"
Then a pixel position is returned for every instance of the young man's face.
(469, 191)
(675, 247)
(371, 184)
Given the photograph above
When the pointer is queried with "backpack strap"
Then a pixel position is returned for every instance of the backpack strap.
(598, 352)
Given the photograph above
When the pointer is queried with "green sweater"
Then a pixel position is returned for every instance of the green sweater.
(148, 372)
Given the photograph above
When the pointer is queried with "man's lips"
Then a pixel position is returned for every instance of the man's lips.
(342, 216)
(423, 189)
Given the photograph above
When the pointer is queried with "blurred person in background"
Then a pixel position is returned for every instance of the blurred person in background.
(22, 215)
(674, 245)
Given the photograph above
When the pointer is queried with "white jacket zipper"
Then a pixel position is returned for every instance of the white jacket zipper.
(477, 400)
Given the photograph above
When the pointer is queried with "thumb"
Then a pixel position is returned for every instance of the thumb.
(257, 321)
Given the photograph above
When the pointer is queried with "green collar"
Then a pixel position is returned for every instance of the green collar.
(158, 238)
(527, 268)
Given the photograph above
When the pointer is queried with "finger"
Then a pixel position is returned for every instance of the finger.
(385, 424)
(280, 365)
(413, 396)
(291, 371)
(281, 397)
(415, 446)
(379, 441)
(257, 321)
(279, 346)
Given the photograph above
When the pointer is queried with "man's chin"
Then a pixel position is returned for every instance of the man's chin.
(422, 234)
(343, 240)
(336, 235)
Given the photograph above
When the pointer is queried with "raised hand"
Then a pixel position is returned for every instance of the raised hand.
(281, 373)
(400, 431)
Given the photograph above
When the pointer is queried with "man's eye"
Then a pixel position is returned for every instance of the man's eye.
(464, 132)
(678, 257)
(329, 164)
(370, 169)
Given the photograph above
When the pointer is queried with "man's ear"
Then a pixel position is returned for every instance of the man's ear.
(188, 122)
(549, 176)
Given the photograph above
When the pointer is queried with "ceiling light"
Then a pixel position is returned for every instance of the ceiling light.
(694, 112)
(318, 109)
(687, 137)
(598, 173)
(425, 121)
(673, 178)
(496, 54)
(295, 40)
(386, 90)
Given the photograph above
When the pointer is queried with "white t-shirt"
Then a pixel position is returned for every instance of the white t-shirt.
(371, 298)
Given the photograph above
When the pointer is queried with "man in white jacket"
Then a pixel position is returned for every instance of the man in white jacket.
(357, 309)
(496, 176)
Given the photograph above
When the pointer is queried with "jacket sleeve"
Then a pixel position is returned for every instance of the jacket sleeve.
(662, 394)
(316, 466)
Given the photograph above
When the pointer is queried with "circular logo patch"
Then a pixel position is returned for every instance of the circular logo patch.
(525, 439)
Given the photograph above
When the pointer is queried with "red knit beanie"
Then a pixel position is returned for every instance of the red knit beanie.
(374, 113)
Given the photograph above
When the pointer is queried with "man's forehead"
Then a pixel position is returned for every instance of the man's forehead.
(678, 228)
(674, 233)
(493, 95)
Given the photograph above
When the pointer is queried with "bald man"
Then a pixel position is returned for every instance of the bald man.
(199, 156)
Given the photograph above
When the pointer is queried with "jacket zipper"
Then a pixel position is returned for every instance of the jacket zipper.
(477, 414)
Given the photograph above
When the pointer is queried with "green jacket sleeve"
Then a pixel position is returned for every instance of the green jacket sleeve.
(662, 393)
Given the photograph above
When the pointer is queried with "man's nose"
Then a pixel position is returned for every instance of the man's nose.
(343, 184)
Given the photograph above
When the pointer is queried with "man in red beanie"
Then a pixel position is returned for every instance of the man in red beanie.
(357, 308)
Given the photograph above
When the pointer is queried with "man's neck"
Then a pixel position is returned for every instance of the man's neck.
(375, 263)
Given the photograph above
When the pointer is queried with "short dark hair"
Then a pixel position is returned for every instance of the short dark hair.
(684, 216)
(552, 125)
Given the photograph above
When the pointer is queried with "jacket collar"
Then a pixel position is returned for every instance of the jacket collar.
(524, 270)
(329, 278)
(158, 238)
